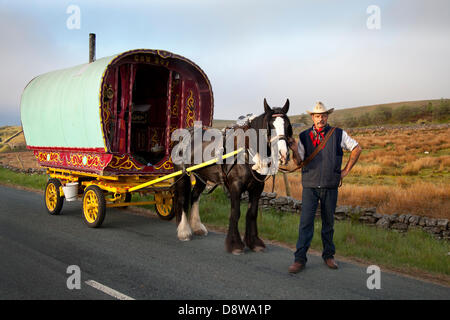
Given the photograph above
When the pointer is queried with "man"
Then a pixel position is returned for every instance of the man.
(321, 178)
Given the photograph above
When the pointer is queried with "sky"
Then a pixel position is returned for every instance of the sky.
(343, 53)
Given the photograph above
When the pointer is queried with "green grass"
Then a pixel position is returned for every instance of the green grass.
(410, 252)
(34, 181)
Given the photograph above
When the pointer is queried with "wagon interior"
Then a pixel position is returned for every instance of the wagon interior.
(144, 137)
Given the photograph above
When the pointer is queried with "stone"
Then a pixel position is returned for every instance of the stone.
(442, 223)
(297, 204)
(290, 200)
(384, 222)
(271, 195)
(377, 215)
(370, 211)
(446, 235)
(432, 230)
(423, 221)
(413, 220)
(430, 222)
(400, 226)
(367, 219)
(280, 201)
(342, 210)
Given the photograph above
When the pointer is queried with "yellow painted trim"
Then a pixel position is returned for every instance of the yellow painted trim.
(179, 172)
(51, 171)
(126, 204)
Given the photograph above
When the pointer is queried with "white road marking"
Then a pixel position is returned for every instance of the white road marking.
(108, 291)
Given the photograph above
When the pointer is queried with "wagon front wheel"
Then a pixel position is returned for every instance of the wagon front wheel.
(94, 206)
(164, 205)
(53, 199)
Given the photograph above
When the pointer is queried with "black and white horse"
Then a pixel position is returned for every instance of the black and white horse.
(237, 178)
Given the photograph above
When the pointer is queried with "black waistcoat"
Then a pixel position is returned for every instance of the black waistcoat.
(324, 170)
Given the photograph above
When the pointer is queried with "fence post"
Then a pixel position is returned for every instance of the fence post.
(286, 183)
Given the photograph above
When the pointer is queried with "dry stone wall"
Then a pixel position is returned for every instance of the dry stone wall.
(439, 228)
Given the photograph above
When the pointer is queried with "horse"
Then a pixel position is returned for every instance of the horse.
(237, 178)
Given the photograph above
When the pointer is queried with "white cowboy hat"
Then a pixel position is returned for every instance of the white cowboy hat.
(320, 108)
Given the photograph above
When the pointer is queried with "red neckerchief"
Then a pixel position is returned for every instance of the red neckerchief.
(317, 135)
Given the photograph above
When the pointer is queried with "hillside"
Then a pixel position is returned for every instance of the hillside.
(405, 112)
(10, 139)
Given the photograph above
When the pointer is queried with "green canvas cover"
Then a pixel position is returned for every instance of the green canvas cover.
(62, 108)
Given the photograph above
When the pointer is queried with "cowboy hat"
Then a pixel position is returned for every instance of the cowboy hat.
(320, 108)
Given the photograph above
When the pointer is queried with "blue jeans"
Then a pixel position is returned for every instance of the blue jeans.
(310, 201)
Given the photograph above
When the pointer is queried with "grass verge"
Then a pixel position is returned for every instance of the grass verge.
(34, 181)
(415, 252)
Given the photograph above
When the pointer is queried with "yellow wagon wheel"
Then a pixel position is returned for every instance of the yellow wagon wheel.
(52, 197)
(164, 205)
(94, 206)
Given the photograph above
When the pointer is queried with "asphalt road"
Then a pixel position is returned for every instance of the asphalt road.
(141, 258)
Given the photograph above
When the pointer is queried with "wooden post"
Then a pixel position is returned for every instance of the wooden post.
(286, 183)
(20, 162)
(91, 47)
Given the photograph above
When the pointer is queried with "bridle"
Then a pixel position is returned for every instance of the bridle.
(277, 137)
(269, 145)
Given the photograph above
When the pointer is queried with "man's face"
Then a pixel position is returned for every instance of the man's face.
(320, 119)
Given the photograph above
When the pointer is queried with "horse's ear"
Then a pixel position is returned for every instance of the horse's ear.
(285, 109)
(267, 109)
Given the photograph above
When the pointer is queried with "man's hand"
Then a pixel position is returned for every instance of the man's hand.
(354, 155)
(344, 173)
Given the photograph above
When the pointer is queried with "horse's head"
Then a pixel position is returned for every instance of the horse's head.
(278, 120)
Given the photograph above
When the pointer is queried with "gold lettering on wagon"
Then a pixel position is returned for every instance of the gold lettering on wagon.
(151, 59)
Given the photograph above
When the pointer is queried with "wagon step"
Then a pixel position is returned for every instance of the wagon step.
(180, 172)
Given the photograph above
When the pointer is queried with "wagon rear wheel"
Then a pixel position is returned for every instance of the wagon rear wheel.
(52, 197)
(94, 206)
(164, 205)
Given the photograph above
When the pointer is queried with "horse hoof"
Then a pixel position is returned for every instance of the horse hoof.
(258, 249)
(237, 252)
(184, 237)
(201, 232)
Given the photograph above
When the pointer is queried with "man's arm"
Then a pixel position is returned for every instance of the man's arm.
(354, 156)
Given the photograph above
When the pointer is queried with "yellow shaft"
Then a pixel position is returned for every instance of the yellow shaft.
(179, 172)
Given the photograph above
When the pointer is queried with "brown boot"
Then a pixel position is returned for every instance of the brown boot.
(296, 267)
(331, 263)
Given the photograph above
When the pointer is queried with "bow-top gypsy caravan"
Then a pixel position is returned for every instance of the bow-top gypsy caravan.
(102, 129)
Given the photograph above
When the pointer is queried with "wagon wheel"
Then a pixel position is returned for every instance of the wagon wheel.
(94, 206)
(163, 206)
(52, 197)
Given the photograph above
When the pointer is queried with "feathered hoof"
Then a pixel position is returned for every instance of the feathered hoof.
(258, 249)
(184, 236)
(202, 231)
(237, 252)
